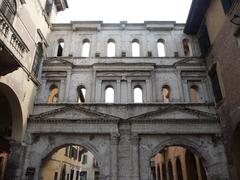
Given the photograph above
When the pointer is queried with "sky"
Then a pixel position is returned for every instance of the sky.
(133, 11)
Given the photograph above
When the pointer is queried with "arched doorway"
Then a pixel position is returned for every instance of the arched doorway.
(182, 163)
(236, 153)
(10, 124)
(70, 162)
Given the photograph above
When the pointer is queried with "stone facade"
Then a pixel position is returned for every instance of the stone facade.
(124, 136)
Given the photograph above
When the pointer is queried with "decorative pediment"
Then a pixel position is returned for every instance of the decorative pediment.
(58, 60)
(75, 112)
(189, 61)
(174, 112)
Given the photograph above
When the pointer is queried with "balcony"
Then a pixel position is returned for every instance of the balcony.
(12, 47)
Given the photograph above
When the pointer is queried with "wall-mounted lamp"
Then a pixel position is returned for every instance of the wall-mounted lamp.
(236, 19)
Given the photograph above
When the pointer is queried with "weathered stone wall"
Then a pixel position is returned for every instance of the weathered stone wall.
(124, 136)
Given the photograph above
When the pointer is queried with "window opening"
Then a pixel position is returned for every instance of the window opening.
(9, 9)
(138, 95)
(194, 93)
(111, 48)
(53, 95)
(81, 94)
(60, 47)
(135, 48)
(166, 94)
(161, 48)
(109, 95)
(186, 47)
(85, 48)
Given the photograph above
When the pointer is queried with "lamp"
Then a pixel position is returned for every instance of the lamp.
(236, 19)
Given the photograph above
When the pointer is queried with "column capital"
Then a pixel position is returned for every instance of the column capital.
(135, 138)
(115, 138)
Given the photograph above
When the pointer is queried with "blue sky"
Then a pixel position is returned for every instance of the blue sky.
(110, 11)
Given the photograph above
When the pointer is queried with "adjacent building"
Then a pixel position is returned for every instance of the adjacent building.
(24, 26)
(216, 23)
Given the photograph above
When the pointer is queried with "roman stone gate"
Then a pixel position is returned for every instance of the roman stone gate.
(136, 96)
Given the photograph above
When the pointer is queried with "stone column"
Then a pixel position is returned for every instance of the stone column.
(198, 168)
(186, 91)
(114, 157)
(15, 161)
(98, 91)
(129, 91)
(180, 87)
(61, 91)
(118, 100)
(67, 87)
(148, 91)
(135, 156)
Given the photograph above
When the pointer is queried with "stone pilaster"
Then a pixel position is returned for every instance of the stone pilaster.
(135, 156)
(15, 161)
(114, 157)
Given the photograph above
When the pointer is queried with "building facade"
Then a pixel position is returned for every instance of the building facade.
(22, 45)
(125, 92)
(71, 162)
(218, 28)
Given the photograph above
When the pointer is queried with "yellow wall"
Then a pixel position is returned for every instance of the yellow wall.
(215, 18)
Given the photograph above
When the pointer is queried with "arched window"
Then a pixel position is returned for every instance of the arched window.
(161, 48)
(81, 90)
(179, 169)
(85, 48)
(53, 94)
(138, 94)
(187, 47)
(135, 48)
(60, 47)
(194, 93)
(170, 171)
(111, 48)
(166, 94)
(9, 9)
(109, 95)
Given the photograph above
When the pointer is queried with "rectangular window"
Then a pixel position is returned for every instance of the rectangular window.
(96, 175)
(215, 84)
(66, 151)
(84, 161)
(83, 175)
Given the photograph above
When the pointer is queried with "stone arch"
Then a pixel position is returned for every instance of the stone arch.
(16, 111)
(189, 145)
(47, 153)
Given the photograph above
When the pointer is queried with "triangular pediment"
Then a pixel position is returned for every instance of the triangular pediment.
(189, 61)
(73, 113)
(57, 60)
(174, 112)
